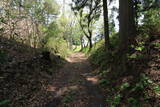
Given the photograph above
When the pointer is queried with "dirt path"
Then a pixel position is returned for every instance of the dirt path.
(75, 85)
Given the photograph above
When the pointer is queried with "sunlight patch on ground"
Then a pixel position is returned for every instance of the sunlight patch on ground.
(76, 57)
(63, 90)
(94, 80)
(51, 88)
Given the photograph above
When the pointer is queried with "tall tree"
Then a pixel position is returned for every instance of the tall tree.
(127, 28)
(25, 18)
(106, 24)
(88, 12)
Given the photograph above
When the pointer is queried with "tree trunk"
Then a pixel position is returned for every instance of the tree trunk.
(127, 29)
(136, 12)
(127, 23)
(81, 38)
(90, 38)
(90, 43)
(106, 25)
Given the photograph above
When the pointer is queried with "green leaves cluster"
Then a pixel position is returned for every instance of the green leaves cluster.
(3, 56)
(115, 101)
(4, 103)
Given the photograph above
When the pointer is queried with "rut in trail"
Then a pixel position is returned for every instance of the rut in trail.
(75, 85)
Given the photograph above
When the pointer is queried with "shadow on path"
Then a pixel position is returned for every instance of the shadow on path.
(75, 85)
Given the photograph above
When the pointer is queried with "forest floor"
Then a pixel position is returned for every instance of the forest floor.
(75, 85)
(29, 80)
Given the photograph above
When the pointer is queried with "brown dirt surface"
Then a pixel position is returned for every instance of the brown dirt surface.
(75, 85)
(26, 79)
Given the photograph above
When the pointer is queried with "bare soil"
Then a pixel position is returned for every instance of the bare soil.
(75, 85)
(29, 80)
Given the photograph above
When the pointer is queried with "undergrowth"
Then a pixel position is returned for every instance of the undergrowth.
(131, 88)
(58, 47)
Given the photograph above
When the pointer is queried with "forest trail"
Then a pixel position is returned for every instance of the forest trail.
(75, 85)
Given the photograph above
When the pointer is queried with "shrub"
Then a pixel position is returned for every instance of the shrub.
(57, 47)
(3, 56)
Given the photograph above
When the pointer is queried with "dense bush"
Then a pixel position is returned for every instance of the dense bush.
(57, 47)
(98, 55)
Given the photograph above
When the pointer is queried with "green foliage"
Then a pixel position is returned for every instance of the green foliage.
(99, 56)
(69, 30)
(114, 40)
(140, 86)
(151, 21)
(103, 73)
(52, 30)
(70, 96)
(139, 48)
(51, 6)
(143, 83)
(61, 36)
(67, 99)
(86, 50)
(104, 82)
(133, 56)
(157, 89)
(156, 44)
(72, 92)
(115, 101)
(28, 17)
(3, 56)
(51, 70)
(4, 103)
(41, 9)
(77, 49)
(152, 17)
(98, 53)
(133, 102)
(124, 86)
(136, 56)
(88, 13)
(57, 47)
